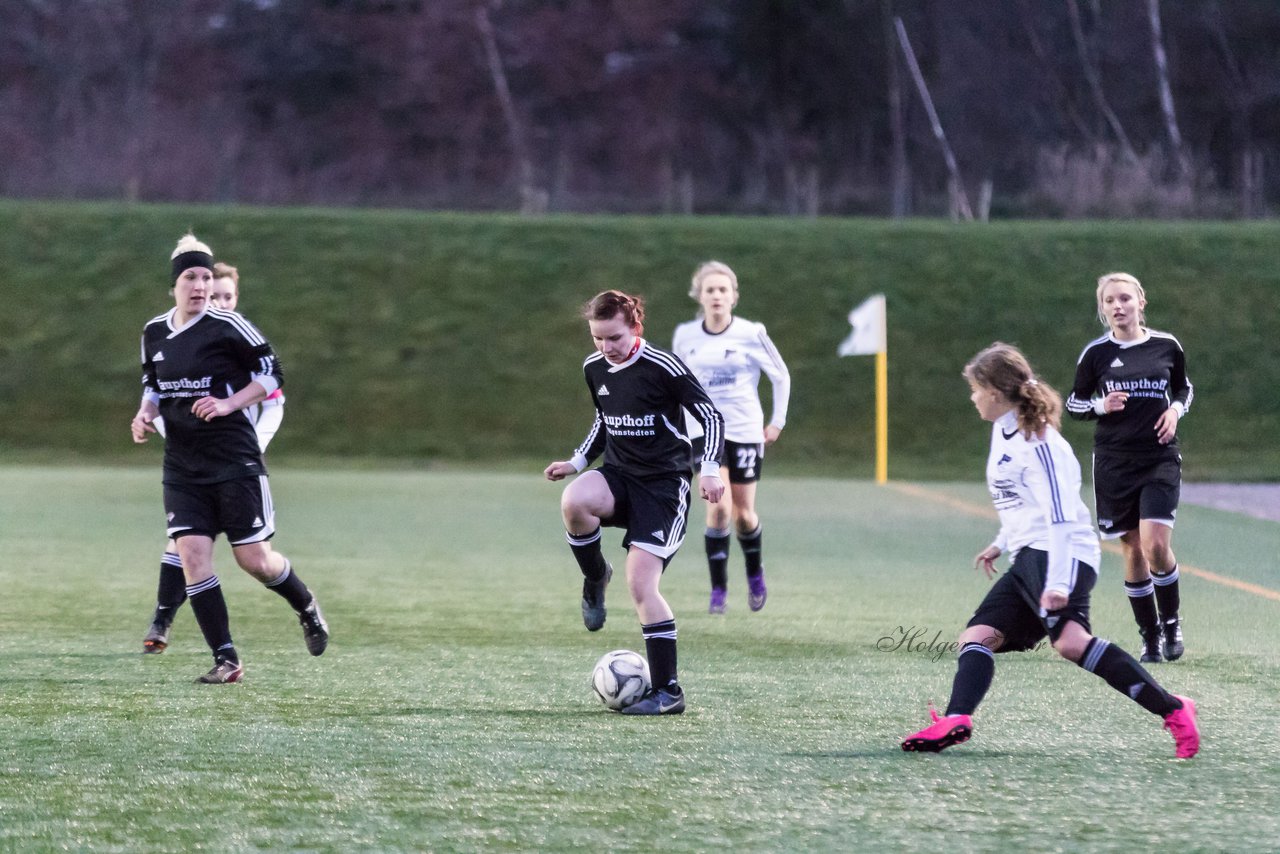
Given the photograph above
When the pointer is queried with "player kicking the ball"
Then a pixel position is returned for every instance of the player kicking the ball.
(1034, 480)
(640, 394)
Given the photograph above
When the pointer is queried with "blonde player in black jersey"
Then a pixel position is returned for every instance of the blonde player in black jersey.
(640, 394)
(171, 590)
(728, 354)
(201, 367)
(1133, 382)
(1034, 480)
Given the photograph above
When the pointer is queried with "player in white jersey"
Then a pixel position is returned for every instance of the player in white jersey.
(171, 591)
(1133, 382)
(728, 354)
(1034, 479)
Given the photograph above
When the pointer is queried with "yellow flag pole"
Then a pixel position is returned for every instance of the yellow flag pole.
(882, 417)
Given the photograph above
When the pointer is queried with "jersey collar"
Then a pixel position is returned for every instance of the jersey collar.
(173, 313)
(634, 358)
(1125, 345)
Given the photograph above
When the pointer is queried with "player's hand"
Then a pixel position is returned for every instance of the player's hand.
(771, 434)
(209, 408)
(1167, 426)
(986, 561)
(559, 470)
(712, 487)
(1053, 600)
(1114, 402)
(141, 426)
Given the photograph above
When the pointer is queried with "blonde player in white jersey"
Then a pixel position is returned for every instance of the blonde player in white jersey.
(1034, 480)
(727, 354)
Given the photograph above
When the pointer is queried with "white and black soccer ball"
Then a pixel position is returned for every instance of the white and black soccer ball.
(620, 678)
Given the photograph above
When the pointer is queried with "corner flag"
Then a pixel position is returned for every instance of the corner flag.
(870, 337)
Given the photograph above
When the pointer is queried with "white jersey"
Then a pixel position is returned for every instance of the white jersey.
(1035, 486)
(728, 364)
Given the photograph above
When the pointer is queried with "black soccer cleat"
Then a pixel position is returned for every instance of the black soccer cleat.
(1172, 631)
(157, 639)
(1151, 646)
(315, 631)
(593, 611)
(659, 701)
(223, 673)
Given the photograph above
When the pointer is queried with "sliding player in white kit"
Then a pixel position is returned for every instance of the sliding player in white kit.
(728, 354)
(1034, 479)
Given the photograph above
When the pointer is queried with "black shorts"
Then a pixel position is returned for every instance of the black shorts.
(743, 460)
(240, 508)
(1127, 491)
(1012, 605)
(653, 510)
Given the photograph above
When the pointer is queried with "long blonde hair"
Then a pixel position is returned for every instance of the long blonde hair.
(1002, 367)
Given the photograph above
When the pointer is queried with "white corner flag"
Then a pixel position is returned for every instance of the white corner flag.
(868, 335)
(870, 338)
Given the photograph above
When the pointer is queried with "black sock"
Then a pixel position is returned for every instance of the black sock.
(1126, 675)
(1167, 597)
(660, 645)
(718, 556)
(974, 670)
(211, 615)
(751, 551)
(586, 551)
(290, 586)
(1142, 599)
(172, 589)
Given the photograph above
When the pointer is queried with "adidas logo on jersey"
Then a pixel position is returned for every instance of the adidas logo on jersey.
(602, 391)
(158, 357)
(1116, 363)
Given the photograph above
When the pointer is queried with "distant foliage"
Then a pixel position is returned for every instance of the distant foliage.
(683, 106)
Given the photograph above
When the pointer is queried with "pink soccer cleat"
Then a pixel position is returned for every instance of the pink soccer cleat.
(945, 731)
(1181, 723)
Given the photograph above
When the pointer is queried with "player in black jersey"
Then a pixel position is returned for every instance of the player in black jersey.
(1133, 382)
(201, 367)
(640, 393)
(171, 589)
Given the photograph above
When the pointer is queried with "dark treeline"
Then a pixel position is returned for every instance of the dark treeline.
(1161, 108)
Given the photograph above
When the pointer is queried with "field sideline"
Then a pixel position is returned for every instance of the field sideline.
(452, 710)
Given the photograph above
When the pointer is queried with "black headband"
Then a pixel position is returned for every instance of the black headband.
(187, 260)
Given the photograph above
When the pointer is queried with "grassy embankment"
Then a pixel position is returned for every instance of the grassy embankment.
(448, 339)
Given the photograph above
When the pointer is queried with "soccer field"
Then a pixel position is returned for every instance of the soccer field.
(452, 710)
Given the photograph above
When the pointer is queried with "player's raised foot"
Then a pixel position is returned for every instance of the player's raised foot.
(756, 591)
(945, 731)
(157, 639)
(315, 631)
(593, 600)
(223, 673)
(1151, 646)
(1182, 725)
(718, 596)
(659, 701)
(1172, 631)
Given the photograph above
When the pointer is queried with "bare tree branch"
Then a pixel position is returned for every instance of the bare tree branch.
(958, 196)
(1095, 83)
(1166, 93)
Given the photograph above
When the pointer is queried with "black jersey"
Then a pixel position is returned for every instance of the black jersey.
(640, 408)
(1152, 370)
(217, 353)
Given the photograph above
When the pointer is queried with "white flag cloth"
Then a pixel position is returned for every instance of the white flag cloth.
(868, 335)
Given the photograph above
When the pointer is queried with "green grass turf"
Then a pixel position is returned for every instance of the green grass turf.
(452, 710)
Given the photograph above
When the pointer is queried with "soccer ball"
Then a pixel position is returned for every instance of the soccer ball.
(620, 678)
